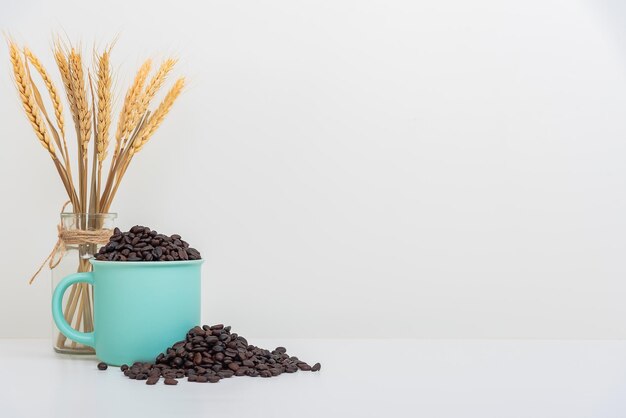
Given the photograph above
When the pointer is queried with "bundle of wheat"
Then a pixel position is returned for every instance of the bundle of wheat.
(89, 97)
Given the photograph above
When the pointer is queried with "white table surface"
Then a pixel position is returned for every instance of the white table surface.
(359, 378)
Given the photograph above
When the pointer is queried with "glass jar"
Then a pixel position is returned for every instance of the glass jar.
(78, 300)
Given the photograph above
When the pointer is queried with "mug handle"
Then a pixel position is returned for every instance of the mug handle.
(85, 338)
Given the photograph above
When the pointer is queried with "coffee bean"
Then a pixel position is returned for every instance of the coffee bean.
(102, 366)
(152, 380)
(316, 367)
(124, 367)
(304, 366)
(170, 381)
(226, 373)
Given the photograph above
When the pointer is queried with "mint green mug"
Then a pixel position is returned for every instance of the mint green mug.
(140, 308)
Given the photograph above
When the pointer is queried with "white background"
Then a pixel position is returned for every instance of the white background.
(443, 169)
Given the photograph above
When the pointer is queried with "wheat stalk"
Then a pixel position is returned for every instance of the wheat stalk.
(157, 117)
(22, 82)
(77, 80)
(52, 90)
(128, 115)
(102, 122)
(28, 100)
(104, 106)
(61, 59)
(55, 97)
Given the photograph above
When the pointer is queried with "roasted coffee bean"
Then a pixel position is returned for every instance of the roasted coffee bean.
(170, 381)
(124, 367)
(102, 366)
(225, 373)
(316, 367)
(152, 380)
(304, 366)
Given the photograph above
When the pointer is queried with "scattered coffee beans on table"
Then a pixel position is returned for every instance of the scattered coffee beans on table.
(211, 353)
(144, 244)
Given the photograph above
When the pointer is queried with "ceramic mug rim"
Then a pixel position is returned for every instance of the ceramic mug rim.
(150, 264)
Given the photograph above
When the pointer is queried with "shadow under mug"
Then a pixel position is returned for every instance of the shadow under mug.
(140, 308)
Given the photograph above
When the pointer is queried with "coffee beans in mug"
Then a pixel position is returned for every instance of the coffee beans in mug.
(141, 243)
(211, 353)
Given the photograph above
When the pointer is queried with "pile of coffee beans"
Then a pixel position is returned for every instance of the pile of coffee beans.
(144, 244)
(212, 353)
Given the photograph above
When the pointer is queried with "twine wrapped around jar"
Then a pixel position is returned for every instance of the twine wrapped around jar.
(69, 237)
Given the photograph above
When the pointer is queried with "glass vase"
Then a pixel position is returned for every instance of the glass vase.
(78, 300)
